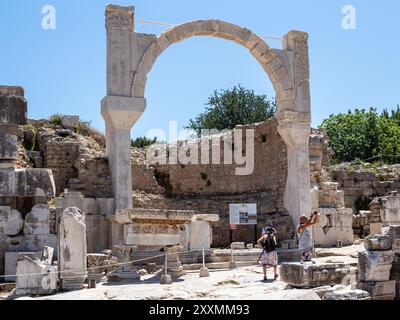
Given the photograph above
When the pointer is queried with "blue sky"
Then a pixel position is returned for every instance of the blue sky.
(64, 70)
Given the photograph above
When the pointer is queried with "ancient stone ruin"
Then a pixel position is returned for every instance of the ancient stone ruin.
(78, 208)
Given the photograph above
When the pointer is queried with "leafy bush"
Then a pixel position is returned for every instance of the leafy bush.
(363, 135)
(55, 119)
(143, 142)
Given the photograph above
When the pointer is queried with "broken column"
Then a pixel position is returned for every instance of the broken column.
(95, 265)
(72, 249)
(374, 268)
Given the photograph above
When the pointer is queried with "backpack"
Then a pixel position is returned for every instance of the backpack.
(269, 244)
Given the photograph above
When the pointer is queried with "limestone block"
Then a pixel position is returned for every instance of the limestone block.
(199, 235)
(326, 186)
(153, 239)
(38, 220)
(70, 122)
(347, 294)
(72, 260)
(185, 236)
(110, 207)
(379, 289)
(206, 217)
(8, 146)
(396, 246)
(89, 206)
(391, 210)
(27, 183)
(317, 275)
(11, 221)
(375, 228)
(35, 277)
(37, 242)
(322, 291)
(102, 206)
(11, 260)
(378, 242)
(13, 108)
(392, 231)
(238, 245)
(375, 265)
(97, 228)
(73, 202)
(328, 237)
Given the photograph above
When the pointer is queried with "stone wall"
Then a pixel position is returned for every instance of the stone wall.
(270, 171)
(360, 186)
(59, 155)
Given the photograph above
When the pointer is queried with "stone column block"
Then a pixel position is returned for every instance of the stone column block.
(375, 265)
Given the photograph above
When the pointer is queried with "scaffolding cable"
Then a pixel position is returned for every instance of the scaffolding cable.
(171, 25)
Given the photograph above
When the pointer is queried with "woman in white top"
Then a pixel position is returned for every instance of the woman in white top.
(304, 235)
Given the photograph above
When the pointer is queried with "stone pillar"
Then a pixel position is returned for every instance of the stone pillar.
(121, 113)
(297, 199)
(294, 117)
(119, 109)
(72, 249)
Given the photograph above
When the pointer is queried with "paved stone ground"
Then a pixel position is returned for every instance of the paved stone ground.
(221, 285)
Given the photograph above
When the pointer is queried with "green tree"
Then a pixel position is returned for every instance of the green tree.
(393, 114)
(226, 109)
(362, 135)
(142, 142)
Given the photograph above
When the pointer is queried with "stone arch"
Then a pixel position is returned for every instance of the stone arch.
(131, 56)
(267, 57)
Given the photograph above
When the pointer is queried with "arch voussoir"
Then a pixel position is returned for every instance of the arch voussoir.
(266, 56)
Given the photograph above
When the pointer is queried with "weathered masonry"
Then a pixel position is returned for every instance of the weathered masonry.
(130, 57)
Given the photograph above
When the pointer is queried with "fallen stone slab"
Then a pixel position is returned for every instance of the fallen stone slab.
(35, 277)
(375, 265)
(307, 275)
(322, 291)
(292, 295)
(378, 242)
(347, 294)
(11, 261)
(385, 290)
